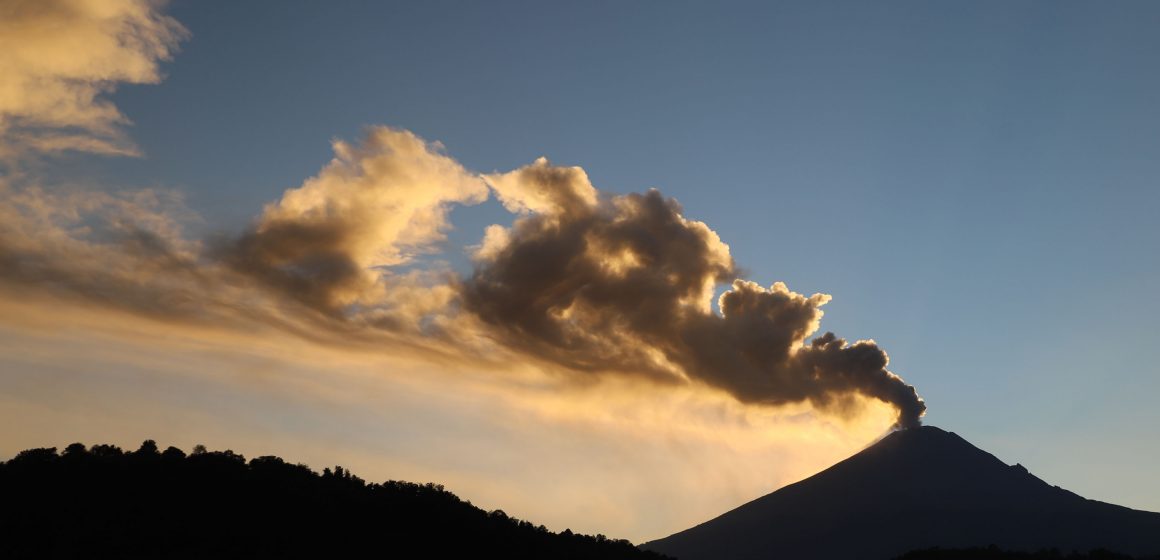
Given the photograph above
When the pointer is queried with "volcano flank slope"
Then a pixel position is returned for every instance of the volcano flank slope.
(917, 488)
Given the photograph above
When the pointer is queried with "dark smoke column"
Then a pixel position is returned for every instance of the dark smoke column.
(756, 351)
(624, 284)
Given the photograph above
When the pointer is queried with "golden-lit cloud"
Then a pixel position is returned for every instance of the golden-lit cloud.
(376, 205)
(60, 57)
(544, 189)
(584, 284)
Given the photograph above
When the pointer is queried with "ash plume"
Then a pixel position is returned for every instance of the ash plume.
(376, 205)
(582, 282)
(625, 283)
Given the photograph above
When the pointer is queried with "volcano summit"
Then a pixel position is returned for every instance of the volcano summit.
(914, 489)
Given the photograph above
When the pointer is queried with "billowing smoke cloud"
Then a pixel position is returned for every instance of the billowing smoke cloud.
(374, 206)
(625, 283)
(582, 282)
(58, 57)
(755, 351)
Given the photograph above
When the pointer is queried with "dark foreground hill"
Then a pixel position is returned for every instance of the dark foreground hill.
(915, 489)
(104, 503)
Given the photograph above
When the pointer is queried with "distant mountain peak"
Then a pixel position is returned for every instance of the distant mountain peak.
(928, 436)
(915, 488)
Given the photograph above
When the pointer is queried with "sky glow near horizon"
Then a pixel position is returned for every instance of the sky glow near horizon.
(975, 188)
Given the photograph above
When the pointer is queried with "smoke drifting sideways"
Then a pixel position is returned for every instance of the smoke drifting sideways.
(586, 283)
(625, 283)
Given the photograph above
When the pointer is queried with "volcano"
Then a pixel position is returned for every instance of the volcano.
(914, 489)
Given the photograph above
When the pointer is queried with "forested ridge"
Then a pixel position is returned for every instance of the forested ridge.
(101, 501)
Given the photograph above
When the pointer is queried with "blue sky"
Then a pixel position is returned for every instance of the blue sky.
(974, 183)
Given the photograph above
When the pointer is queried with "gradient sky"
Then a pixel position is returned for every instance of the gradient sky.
(975, 184)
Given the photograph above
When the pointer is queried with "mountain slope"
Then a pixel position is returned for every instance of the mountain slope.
(916, 488)
(103, 503)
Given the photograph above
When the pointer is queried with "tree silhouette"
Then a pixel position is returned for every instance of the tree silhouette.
(102, 502)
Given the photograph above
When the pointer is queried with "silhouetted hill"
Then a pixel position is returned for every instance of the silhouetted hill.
(104, 503)
(915, 489)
